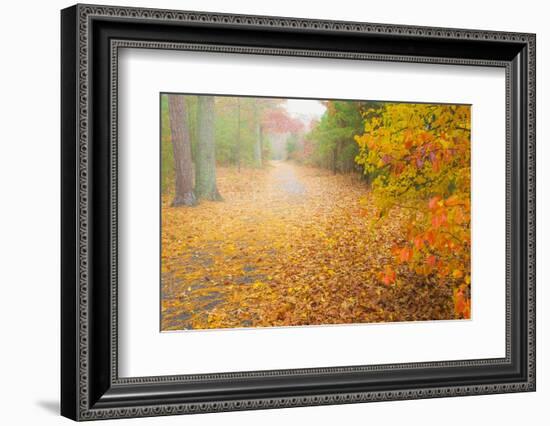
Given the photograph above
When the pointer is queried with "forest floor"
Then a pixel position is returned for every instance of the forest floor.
(289, 245)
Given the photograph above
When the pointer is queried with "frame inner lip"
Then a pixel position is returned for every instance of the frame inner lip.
(115, 45)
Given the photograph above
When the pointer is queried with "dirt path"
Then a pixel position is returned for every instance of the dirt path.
(255, 201)
(284, 176)
(239, 242)
(290, 245)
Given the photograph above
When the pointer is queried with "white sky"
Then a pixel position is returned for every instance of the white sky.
(305, 109)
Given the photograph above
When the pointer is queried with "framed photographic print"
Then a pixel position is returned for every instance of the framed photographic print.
(263, 212)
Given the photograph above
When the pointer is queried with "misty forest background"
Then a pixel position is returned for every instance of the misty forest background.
(356, 212)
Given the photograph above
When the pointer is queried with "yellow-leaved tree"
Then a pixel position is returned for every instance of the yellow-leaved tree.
(418, 156)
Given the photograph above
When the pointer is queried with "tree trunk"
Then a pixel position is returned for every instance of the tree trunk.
(338, 157)
(258, 137)
(261, 143)
(205, 173)
(181, 145)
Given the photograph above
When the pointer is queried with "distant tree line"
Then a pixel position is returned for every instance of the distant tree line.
(200, 132)
(330, 142)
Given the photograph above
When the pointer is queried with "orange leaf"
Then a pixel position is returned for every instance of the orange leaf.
(405, 254)
(388, 276)
(462, 305)
(452, 201)
(430, 237)
(432, 204)
(439, 220)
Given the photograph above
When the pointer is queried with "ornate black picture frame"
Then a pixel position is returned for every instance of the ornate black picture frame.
(91, 387)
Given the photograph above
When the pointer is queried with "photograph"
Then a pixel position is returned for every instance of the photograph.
(280, 212)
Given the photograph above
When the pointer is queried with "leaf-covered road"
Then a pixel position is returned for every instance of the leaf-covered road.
(289, 245)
